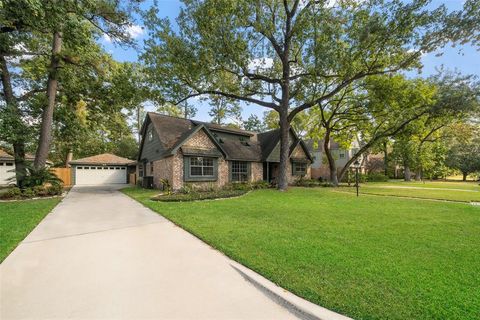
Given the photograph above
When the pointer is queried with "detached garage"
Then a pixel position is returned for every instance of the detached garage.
(101, 169)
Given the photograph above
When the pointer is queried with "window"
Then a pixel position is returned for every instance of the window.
(9, 164)
(342, 155)
(201, 167)
(140, 170)
(239, 171)
(150, 135)
(299, 168)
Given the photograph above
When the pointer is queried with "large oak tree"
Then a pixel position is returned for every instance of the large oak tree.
(288, 55)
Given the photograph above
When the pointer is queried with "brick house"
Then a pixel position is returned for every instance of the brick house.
(185, 151)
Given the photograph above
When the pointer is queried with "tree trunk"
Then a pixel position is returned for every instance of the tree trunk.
(407, 174)
(18, 140)
(464, 176)
(45, 138)
(68, 158)
(284, 151)
(332, 166)
(418, 174)
(385, 159)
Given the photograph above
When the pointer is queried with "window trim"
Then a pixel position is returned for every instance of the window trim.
(294, 168)
(187, 172)
(230, 171)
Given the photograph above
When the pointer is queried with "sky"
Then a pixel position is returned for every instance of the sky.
(464, 59)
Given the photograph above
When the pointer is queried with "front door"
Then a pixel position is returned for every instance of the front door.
(273, 172)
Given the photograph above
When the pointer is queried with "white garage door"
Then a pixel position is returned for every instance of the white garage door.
(6, 172)
(88, 175)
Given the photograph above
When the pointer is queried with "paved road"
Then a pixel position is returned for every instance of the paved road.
(101, 255)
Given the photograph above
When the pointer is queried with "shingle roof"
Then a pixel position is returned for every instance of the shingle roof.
(173, 132)
(104, 159)
(28, 156)
(4, 155)
(268, 141)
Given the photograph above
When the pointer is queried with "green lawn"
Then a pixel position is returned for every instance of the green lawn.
(454, 191)
(368, 257)
(18, 218)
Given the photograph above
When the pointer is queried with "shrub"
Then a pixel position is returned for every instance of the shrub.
(194, 196)
(12, 193)
(166, 186)
(40, 177)
(40, 191)
(186, 189)
(28, 193)
(376, 177)
(260, 185)
(54, 189)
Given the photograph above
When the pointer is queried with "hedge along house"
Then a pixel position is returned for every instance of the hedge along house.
(183, 151)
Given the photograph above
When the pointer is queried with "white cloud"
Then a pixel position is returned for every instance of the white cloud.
(260, 63)
(107, 38)
(134, 31)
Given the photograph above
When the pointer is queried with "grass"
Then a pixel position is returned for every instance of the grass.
(452, 191)
(18, 219)
(367, 257)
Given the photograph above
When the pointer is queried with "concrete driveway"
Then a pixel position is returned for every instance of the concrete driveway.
(101, 255)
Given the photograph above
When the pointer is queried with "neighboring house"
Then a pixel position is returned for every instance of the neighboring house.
(342, 156)
(7, 166)
(101, 169)
(185, 151)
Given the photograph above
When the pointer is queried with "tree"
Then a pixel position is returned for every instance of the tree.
(287, 56)
(225, 109)
(253, 123)
(464, 157)
(378, 108)
(67, 25)
(456, 100)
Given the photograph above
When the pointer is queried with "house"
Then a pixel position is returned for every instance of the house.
(183, 151)
(7, 166)
(101, 169)
(342, 156)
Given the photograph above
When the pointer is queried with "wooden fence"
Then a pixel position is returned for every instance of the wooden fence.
(65, 174)
(132, 178)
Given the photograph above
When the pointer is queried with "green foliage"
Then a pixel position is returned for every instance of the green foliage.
(253, 123)
(376, 177)
(54, 189)
(40, 177)
(223, 110)
(311, 183)
(288, 57)
(166, 186)
(12, 193)
(194, 196)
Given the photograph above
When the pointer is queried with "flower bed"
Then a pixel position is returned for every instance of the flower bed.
(194, 196)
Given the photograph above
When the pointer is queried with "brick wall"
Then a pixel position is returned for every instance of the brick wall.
(162, 169)
(256, 171)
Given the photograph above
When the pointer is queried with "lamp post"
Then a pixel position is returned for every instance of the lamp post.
(356, 164)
